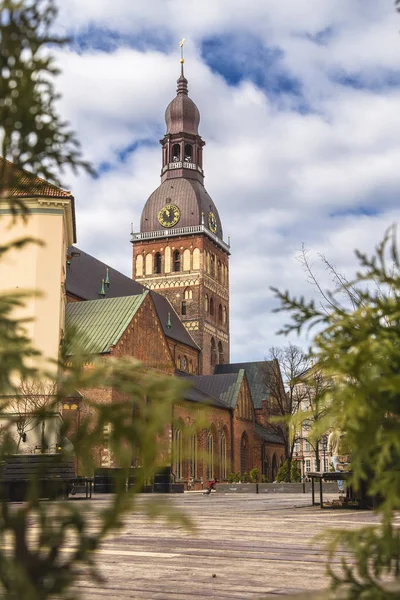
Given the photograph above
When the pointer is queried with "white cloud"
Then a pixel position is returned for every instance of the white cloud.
(276, 174)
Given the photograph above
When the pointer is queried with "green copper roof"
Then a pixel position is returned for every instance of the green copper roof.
(101, 323)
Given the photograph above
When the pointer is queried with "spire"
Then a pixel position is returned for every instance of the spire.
(182, 81)
(102, 291)
(107, 281)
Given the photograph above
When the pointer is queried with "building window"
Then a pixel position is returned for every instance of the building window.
(243, 454)
(177, 454)
(213, 353)
(206, 303)
(193, 456)
(188, 153)
(177, 261)
(184, 363)
(220, 353)
(224, 319)
(178, 362)
(219, 267)
(183, 308)
(307, 446)
(188, 294)
(157, 263)
(308, 465)
(220, 314)
(274, 468)
(212, 265)
(296, 447)
(210, 456)
(212, 307)
(176, 153)
(222, 457)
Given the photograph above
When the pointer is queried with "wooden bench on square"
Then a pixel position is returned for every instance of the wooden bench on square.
(52, 473)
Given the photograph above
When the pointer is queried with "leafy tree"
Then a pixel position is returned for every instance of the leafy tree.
(284, 474)
(358, 348)
(295, 475)
(285, 401)
(34, 137)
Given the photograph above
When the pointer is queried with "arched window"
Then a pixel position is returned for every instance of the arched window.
(183, 308)
(210, 456)
(196, 259)
(206, 303)
(176, 153)
(157, 262)
(149, 264)
(222, 457)
(264, 461)
(193, 456)
(212, 265)
(167, 260)
(224, 316)
(220, 313)
(177, 454)
(188, 153)
(213, 356)
(177, 261)
(243, 453)
(274, 468)
(220, 354)
(188, 294)
(139, 266)
(186, 260)
(207, 262)
(212, 307)
(219, 269)
(184, 363)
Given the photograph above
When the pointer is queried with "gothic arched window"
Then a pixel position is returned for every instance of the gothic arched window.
(212, 307)
(176, 153)
(206, 303)
(220, 354)
(213, 356)
(224, 315)
(177, 261)
(222, 457)
(212, 265)
(157, 262)
(188, 294)
(243, 453)
(220, 314)
(274, 468)
(210, 455)
(188, 153)
(193, 456)
(177, 453)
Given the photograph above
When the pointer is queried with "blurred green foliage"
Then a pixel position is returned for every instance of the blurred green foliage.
(357, 347)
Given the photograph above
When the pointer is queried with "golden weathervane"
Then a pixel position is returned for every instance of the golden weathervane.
(181, 43)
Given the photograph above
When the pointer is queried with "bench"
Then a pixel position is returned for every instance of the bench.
(364, 500)
(54, 475)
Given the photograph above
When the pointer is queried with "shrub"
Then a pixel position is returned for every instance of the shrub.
(255, 475)
(283, 474)
(264, 479)
(295, 475)
(245, 477)
(231, 478)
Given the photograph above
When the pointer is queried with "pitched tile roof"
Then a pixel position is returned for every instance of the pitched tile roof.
(257, 374)
(266, 435)
(84, 276)
(101, 323)
(224, 387)
(27, 185)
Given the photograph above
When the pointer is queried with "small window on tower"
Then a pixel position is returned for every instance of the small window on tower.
(176, 153)
(211, 307)
(177, 261)
(188, 153)
(157, 263)
(183, 308)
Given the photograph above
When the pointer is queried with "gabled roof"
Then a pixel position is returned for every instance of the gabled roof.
(194, 393)
(101, 323)
(224, 387)
(27, 185)
(84, 276)
(266, 435)
(257, 373)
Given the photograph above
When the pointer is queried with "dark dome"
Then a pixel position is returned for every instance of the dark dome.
(190, 196)
(182, 115)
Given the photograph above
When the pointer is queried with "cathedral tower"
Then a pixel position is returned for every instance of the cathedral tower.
(179, 251)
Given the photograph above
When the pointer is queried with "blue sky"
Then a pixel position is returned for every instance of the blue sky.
(299, 109)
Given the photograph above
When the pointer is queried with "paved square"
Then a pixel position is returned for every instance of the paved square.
(255, 545)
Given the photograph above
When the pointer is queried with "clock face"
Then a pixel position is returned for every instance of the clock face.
(212, 222)
(169, 215)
